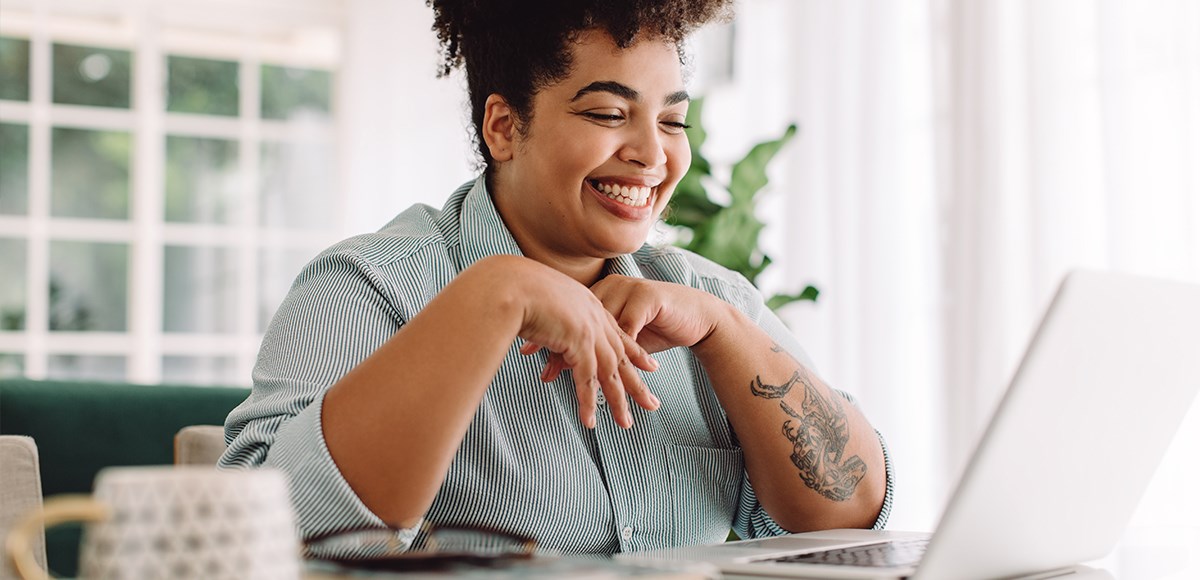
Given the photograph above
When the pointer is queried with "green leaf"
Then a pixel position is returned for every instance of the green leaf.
(752, 276)
(690, 188)
(690, 211)
(779, 300)
(727, 235)
(695, 132)
(750, 174)
(730, 239)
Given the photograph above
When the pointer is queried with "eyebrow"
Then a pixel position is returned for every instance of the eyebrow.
(627, 93)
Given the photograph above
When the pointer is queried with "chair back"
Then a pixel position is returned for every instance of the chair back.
(20, 493)
(199, 445)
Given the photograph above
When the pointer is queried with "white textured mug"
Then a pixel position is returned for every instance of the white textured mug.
(175, 523)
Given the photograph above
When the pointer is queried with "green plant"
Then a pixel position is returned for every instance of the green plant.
(727, 234)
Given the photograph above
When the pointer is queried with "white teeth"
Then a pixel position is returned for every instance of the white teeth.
(632, 195)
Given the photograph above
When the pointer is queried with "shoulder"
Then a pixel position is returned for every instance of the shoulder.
(417, 235)
(680, 266)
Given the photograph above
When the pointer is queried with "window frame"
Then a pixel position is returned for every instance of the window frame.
(302, 34)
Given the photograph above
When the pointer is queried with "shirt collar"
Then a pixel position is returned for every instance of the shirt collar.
(623, 265)
(482, 231)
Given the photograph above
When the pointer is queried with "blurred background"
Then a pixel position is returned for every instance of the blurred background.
(167, 167)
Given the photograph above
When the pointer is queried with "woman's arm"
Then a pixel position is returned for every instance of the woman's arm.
(394, 423)
(814, 460)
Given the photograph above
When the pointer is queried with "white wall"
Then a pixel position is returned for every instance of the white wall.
(404, 130)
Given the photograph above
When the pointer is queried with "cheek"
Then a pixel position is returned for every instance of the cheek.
(679, 159)
(571, 158)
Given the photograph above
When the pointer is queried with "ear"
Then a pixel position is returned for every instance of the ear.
(499, 127)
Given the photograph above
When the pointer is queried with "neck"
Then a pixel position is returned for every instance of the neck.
(584, 269)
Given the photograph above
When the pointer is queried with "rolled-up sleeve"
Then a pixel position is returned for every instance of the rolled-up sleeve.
(335, 316)
(753, 521)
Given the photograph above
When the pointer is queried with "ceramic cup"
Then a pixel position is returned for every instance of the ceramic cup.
(175, 522)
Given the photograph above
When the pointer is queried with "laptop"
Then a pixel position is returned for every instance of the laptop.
(1060, 469)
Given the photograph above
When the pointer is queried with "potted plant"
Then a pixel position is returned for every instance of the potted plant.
(727, 234)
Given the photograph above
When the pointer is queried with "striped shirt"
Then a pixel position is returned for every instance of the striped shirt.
(526, 464)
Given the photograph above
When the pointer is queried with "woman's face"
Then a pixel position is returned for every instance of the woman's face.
(602, 154)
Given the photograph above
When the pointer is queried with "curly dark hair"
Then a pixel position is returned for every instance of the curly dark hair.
(516, 47)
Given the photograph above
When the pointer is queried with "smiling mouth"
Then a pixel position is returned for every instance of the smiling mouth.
(630, 195)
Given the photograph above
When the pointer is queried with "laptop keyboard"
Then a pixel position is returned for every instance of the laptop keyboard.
(882, 555)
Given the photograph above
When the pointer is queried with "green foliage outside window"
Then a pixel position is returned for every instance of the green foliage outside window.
(202, 86)
(14, 69)
(92, 76)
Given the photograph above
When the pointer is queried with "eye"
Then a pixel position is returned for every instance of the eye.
(603, 118)
(674, 127)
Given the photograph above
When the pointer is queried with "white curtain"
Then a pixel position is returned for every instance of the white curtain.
(954, 160)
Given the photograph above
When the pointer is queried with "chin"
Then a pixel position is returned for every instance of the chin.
(621, 249)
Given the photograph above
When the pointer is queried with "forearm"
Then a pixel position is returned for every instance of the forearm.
(814, 460)
(394, 423)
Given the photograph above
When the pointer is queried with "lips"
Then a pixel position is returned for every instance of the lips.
(631, 195)
(628, 202)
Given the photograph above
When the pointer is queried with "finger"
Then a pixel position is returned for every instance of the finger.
(636, 387)
(530, 348)
(614, 388)
(637, 354)
(554, 367)
(612, 294)
(637, 311)
(586, 383)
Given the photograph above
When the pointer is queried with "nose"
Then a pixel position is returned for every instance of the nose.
(644, 146)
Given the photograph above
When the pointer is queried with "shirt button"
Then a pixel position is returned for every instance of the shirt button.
(600, 401)
(626, 533)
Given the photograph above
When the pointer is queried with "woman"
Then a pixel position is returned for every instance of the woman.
(521, 360)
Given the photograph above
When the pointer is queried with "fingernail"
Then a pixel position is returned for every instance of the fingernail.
(591, 422)
(653, 399)
(628, 419)
(653, 363)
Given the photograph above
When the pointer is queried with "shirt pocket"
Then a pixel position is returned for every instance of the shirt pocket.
(705, 485)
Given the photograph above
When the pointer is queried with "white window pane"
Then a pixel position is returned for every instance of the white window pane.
(202, 181)
(289, 92)
(297, 187)
(86, 367)
(89, 286)
(199, 290)
(11, 365)
(202, 370)
(12, 284)
(14, 169)
(87, 75)
(202, 86)
(90, 174)
(14, 69)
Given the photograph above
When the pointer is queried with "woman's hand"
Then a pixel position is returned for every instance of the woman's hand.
(660, 315)
(566, 318)
(657, 315)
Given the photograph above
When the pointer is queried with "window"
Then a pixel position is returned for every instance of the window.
(165, 171)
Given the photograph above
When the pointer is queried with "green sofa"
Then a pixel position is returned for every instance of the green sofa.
(82, 427)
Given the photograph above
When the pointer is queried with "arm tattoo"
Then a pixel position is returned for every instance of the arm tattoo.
(819, 433)
(761, 389)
